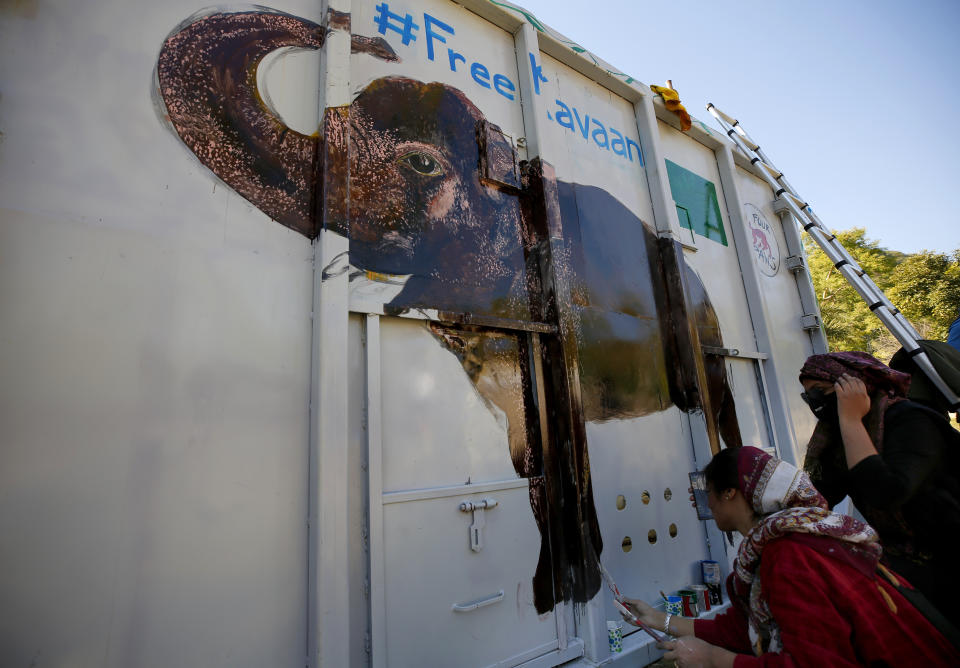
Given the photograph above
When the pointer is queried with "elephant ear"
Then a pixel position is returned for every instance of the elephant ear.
(207, 73)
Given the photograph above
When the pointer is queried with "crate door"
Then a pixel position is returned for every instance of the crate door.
(454, 542)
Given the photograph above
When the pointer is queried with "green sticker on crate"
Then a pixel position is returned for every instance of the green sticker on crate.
(697, 197)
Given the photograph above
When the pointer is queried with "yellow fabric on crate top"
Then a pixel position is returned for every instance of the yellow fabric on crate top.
(671, 100)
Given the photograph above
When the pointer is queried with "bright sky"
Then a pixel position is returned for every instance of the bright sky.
(853, 100)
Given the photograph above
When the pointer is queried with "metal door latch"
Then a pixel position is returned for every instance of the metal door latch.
(476, 529)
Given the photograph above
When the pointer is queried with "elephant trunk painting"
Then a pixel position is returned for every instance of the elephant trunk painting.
(439, 205)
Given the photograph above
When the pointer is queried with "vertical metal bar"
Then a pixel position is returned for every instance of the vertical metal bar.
(527, 46)
(378, 602)
(664, 211)
(808, 298)
(328, 624)
(667, 223)
(767, 417)
(754, 293)
(562, 391)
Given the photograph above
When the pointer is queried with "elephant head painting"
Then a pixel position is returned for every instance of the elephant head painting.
(438, 208)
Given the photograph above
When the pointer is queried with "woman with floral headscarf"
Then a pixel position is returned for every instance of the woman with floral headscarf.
(805, 585)
(895, 460)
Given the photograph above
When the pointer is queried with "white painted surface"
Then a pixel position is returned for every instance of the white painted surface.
(579, 159)
(642, 459)
(716, 264)
(154, 356)
(436, 432)
(791, 345)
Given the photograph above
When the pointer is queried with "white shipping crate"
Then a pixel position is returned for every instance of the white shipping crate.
(357, 332)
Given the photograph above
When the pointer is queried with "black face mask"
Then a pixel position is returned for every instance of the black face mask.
(823, 405)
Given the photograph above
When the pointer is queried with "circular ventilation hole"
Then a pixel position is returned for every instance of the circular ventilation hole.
(673, 530)
(621, 502)
(627, 544)
(652, 536)
(667, 494)
(645, 497)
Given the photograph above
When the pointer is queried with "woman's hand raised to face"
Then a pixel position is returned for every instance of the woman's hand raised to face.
(853, 402)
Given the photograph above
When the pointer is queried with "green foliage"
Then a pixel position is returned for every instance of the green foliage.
(924, 285)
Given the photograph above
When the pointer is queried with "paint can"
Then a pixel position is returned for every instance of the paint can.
(703, 598)
(714, 592)
(710, 572)
(688, 598)
(615, 636)
(673, 605)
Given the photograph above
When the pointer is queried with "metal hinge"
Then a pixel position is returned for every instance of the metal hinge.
(722, 352)
(780, 206)
(810, 321)
(794, 263)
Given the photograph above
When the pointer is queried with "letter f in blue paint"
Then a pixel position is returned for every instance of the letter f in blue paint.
(537, 72)
(428, 23)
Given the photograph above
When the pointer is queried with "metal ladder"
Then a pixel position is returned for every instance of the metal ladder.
(789, 200)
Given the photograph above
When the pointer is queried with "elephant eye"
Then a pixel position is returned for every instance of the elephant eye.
(421, 163)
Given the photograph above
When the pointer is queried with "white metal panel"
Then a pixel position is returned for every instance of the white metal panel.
(431, 568)
(438, 435)
(716, 264)
(637, 463)
(440, 431)
(585, 153)
(791, 345)
(155, 363)
(753, 413)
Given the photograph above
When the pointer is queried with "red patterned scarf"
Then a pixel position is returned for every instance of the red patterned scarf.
(787, 502)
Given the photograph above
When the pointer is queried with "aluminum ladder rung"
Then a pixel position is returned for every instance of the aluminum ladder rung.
(729, 120)
(881, 306)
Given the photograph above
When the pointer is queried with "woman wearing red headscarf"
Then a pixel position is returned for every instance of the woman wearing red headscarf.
(895, 460)
(805, 586)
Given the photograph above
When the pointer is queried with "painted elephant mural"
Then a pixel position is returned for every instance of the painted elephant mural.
(440, 211)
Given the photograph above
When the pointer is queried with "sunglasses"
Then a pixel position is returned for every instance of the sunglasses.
(816, 399)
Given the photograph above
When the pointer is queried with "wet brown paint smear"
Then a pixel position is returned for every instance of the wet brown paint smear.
(631, 318)
(718, 383)
(622, 366)
(207, 77)
(575, 538)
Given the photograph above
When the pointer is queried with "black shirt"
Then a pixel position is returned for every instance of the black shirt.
(910, 492)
